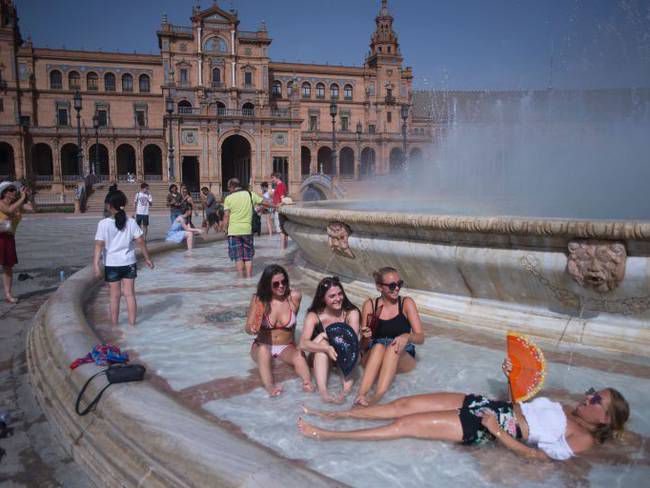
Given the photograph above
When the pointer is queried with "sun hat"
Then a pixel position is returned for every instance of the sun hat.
(8, 184)
(344, 340)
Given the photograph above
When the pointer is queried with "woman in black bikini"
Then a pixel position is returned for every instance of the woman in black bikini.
(390, 326)
(272, 318)
(330, 306)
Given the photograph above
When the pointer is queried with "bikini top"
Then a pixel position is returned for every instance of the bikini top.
(546, 427)
(391, 328)
(266, 322)
(319, 328)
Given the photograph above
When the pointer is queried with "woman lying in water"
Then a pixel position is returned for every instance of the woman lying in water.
(539, 429)
(272, 318)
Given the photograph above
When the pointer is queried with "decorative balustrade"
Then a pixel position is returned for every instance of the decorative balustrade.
(153, 177)
(72, 177)
(42, 178)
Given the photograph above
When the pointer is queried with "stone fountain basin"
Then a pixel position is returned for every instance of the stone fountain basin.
(494, 273)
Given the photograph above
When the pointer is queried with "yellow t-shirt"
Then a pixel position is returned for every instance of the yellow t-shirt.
(241, 212)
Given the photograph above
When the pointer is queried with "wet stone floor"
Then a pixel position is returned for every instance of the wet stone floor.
(190, 336)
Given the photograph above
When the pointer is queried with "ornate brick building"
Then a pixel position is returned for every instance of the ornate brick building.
(233, 111)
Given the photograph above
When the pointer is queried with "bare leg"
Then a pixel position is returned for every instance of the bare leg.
(190, 240)
(114, 289)
(370, 372)
(444, 426)
(239, 266)
(292, 356)
(128, 290)
(7, 279)
(321, 370)
(392, 363)
(145, 231)
(269, 224)
(430, 402)
(248, 266)
(261, 354)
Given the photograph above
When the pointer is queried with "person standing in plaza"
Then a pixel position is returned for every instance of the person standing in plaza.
(174, 202)
(267, 213)
(111, 189)
(187, 201)
(142, 202)
(278, 194)
(238, 215)
(12, 205)
(211, 207)
(115, 239)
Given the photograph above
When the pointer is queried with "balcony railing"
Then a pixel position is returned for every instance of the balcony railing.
(218, 84)
(188, 110)
(43, 178)
(72, 177)
(153, 177)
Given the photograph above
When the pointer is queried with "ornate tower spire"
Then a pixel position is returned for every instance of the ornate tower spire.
(383, 42)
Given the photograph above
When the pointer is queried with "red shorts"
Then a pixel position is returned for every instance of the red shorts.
(8, 256)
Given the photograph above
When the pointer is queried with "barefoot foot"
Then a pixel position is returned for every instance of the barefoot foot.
(11, 299)
(309, 430)
(274, 391)
(308, 386)
(361, 401)
(321, 413)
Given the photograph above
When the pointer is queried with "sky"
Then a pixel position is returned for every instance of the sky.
(451, 44)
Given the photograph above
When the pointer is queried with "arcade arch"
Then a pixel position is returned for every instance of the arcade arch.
(235, 160)
(42, 162)
(367, 168)
(7, 164)
(346, 163)
(325, 163)
(125, 160)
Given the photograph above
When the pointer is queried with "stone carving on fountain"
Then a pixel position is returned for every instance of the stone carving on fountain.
(597, 264)
(337, 239)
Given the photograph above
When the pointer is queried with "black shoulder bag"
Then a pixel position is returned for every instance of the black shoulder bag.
(117, 373)
(256, 220)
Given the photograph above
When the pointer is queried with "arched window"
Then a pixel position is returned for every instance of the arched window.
(276, 89)
(56, 80)
(127, 82)
(334, 90)
(289, 88)
(184, 107)
(216, 44)
(248, 109)
(347, 92)
(109, 82)
(144, 84)
(320, 90)
(306, 90)
(74, 82)
(92, 81)
(216, 77)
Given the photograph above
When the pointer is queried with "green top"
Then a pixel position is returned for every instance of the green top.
(238, 204)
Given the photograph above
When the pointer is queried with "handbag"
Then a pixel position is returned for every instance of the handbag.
(256, 220)
(118, 373)
(5, 226)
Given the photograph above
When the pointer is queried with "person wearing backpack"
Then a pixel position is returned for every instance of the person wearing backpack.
(115, 239)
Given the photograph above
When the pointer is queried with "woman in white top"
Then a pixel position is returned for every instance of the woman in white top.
(116, 236)
(539, 429)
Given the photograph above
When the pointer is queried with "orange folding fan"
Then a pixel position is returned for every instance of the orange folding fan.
(528, 367)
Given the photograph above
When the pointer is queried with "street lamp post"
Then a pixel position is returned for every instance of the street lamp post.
(169, 106)
(95, 165)
(358, 132)
(405, 115)
(333, 111)
(77, 107)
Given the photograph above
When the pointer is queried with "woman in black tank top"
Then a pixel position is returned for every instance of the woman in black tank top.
(330, 306)
(391, 325)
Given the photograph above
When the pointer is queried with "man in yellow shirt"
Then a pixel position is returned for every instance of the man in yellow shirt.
(239, 206)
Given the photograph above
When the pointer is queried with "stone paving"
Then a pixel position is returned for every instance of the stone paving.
(47, 244)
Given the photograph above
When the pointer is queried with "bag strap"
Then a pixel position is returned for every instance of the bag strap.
(95, 400)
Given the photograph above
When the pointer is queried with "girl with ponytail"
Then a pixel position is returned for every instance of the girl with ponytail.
(115, 239)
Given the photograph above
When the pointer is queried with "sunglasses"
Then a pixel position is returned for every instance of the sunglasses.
(395, 284)
(276, 284)
(595, 398)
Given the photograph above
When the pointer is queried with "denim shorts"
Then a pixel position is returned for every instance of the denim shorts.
(386, 341)
(118, 273)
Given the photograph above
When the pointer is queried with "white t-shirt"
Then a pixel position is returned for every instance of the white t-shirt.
(119, 246)
(142, 202)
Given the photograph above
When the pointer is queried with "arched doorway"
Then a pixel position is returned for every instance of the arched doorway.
(235, 160)
(69, 162)
(7, 165)
(367, 168)
(305, 161)
(125, 160)
(152, 162)
(416, 160)
(101, 163)
(325, 164)
(190, 173)
(396, 160)
(42, 163)
(347, 163)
